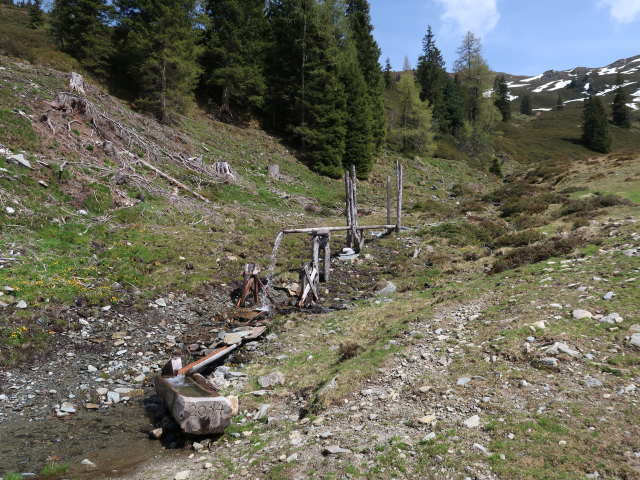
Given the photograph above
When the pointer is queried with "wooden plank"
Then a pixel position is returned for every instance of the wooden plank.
(348, 206)
(337, 229)
(326, 262)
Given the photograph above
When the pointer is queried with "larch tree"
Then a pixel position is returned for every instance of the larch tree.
(162, 50)
(559, 102)
(473, 74)
(412, 126)
(234, 47)
(595, 126)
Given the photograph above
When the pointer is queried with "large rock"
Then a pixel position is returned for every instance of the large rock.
(580, 314)
(386, 288)
(271, 380)
(19, 159)
(561, 347)
(472, 422)
(635, 340)
(612, 318)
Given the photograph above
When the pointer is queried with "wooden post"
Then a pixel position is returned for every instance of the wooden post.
(388, 199)
(326, 260)
(347, 184)
(315, 251)
(399, 185)
(354, 210)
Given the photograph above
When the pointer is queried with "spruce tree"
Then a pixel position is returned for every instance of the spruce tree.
(595, 127)
(235, 41)
(455, 107)
(502, 102)
(525, 105)
(361, 31)
(621, 113)
(388, 77)
(36, 15)
(559, 103)
(432, 77)
(160, 42)
(306, 98)
(359, 143)
(81, 27)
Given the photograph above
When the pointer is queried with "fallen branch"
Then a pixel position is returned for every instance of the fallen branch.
(172, 180)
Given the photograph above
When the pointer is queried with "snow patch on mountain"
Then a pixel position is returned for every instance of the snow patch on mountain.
(607, 71)
(615, 87)
(559, 85)
(633, 106)
(574, 100)
(531, 79)
(542, 109)
(511, 98)
(543, 87)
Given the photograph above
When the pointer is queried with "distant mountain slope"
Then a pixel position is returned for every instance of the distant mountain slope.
(577, 84)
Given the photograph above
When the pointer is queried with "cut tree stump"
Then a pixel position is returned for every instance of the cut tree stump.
(77, 83)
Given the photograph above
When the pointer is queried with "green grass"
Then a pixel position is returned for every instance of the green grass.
(55, 468)
(12, 476)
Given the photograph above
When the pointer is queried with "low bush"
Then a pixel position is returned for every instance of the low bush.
(552, 247)
(583, 206)
(519, 239)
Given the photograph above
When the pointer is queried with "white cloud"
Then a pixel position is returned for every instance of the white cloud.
(477, 16)
(623, 11)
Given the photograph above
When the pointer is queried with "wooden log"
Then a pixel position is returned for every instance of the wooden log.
(354, 210)
(319, 230)
(309, 280)
(173, 180)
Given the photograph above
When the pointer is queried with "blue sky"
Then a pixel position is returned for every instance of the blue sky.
(523, 37)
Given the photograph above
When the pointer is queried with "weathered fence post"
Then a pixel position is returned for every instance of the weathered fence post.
(388, 199)
(399, 186)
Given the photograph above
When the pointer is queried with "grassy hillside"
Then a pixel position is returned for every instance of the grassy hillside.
(488, 274)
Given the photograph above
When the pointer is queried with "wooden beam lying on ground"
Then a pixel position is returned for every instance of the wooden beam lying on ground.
(320, 230)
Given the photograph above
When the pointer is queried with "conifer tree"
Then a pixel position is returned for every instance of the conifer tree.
(234, 53)
(388, 77)
(559, 103)
(359, 143)
(473, 73)
(361, 31)
(432, 78)
(81, 27)
(412, 127)
(36, 15)
(306, 97)
(455, 107)
(502, 102)
(621, 113)
(525, 105)
(595, 127)
(161, 45)
(406, 64)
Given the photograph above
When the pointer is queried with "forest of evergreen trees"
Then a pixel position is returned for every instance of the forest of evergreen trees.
(309, 69)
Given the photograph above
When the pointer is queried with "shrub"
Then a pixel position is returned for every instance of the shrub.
(589, 204)
(519, 239)
(349, 350)
(536, 253)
